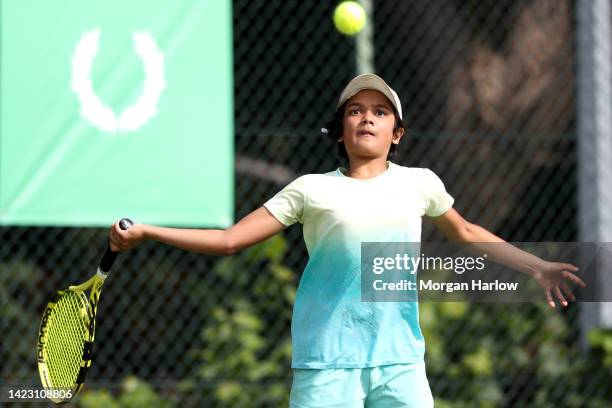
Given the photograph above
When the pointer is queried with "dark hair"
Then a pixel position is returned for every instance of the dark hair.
(334, 130)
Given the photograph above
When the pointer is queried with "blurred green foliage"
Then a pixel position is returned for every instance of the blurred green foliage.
(134, 393)
(601, 341)
(18, 291)
(255, 369)
(527, 355)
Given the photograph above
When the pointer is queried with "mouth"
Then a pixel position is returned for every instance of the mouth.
(364, 133)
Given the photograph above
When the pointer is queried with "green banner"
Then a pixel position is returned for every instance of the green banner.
(113, 108)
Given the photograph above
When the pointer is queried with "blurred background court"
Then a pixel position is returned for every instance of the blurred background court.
(491, 93)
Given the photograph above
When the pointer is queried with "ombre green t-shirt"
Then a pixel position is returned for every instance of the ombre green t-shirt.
(331, 327)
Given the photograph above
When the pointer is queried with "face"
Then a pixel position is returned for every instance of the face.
(368, 124)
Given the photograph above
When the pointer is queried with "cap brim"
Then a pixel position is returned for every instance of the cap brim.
(373, 82)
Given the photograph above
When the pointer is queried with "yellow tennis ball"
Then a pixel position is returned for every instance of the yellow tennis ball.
(349, 17)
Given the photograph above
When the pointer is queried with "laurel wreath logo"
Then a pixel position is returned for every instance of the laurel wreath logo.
(93, 109)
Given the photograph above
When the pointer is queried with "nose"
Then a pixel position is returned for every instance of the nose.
(367, 118)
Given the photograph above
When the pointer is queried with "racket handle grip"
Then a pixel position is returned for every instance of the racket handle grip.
(108, 259)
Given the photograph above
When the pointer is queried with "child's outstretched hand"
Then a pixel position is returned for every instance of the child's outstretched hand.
(554, 277)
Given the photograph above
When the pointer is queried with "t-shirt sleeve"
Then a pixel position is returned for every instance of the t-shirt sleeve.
(287, 205)
(438, 201)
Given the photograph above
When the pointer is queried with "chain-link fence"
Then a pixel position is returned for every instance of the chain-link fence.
(489, 97)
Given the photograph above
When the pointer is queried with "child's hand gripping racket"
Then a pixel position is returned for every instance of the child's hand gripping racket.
(66, 334)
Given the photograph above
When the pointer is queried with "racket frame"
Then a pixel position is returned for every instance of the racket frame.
(89, 309)
(90, 305)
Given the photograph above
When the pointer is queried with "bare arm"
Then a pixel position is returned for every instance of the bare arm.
(252, 229)
(458, 229)
(551, 276)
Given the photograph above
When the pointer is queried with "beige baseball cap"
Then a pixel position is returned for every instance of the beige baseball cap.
(370, 81)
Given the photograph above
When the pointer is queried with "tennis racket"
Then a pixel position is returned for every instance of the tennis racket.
(66, 334)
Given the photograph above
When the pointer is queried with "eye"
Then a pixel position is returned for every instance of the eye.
(354, 111)
(381, 113)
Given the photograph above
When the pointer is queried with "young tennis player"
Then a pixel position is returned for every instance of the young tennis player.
(349, 353)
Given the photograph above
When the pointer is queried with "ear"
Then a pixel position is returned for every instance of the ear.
(397, 135)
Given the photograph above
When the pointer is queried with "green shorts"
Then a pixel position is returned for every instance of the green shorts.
(398, 385)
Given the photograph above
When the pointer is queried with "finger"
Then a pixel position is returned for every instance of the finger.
(117, 229)
(117, 235)
(568, 291)
(121, 234)
(574, 278)
(549, 298)
(570, 267)
(111, 232)
(115, 244)
(560, 296)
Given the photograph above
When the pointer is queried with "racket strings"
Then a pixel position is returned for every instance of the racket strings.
(65, 339)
